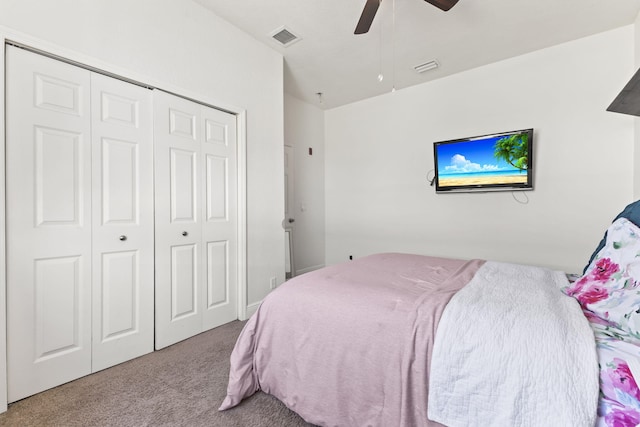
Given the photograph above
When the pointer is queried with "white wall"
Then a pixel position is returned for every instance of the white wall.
(379, 151)
(304, 129)
(180, 45)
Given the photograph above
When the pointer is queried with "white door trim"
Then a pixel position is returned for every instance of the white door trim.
(8, 35)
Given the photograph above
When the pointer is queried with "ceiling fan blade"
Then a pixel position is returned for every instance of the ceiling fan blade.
(368, 13)
(443, 4)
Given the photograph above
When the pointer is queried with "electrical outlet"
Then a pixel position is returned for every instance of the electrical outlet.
(272, 283)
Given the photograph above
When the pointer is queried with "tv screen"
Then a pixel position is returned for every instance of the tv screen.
(496, 162)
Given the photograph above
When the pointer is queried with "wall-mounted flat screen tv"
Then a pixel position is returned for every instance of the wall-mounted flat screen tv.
(496, 162)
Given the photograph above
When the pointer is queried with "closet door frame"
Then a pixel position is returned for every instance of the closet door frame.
(39, 45)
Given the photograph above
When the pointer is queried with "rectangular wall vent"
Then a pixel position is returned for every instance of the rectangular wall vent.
(430, 65)
(284, 36)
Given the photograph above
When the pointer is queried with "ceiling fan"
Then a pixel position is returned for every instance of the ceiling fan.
(371, 7)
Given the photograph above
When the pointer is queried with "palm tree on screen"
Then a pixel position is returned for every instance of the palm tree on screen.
(513, 149)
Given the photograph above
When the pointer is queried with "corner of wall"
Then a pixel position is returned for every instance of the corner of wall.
(3, 270)
(636, 130)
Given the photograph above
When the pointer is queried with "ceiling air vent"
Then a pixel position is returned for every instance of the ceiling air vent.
(430, 65)
(284, 36)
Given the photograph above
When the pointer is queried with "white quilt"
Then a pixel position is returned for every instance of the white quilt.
(512, 350)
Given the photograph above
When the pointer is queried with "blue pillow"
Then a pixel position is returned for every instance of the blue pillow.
(632, 213)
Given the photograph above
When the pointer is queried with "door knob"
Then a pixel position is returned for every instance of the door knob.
(291, 220)
(184, 233)
(122, 238)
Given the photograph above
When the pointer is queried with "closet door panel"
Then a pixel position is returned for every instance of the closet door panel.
(218, 286)
(123, 289)
(184, 282)
(57, 290)
(48, 223)
(120, 163)
(178, 219)
(120, 286)
(58, 177)
(183, 190)
(220, 226)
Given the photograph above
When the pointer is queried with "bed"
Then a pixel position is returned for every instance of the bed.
(397, 339)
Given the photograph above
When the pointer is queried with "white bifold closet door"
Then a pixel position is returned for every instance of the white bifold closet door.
(122, 226)
(79, 222)
(196, 218)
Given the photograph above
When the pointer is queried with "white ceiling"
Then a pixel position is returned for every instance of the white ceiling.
(344, 67)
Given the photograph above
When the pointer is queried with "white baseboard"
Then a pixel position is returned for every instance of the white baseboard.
(252, 308)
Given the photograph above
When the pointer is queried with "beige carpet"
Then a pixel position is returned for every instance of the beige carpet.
(181, 385)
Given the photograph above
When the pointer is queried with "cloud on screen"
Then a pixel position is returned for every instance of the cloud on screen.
(459, 163)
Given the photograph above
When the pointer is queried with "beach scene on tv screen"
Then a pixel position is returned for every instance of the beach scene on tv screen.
(492, 160)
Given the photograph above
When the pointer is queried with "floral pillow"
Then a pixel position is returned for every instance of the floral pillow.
(619, 403)
(609, 291)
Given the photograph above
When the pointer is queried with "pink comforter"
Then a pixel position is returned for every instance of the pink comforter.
(350, 344)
